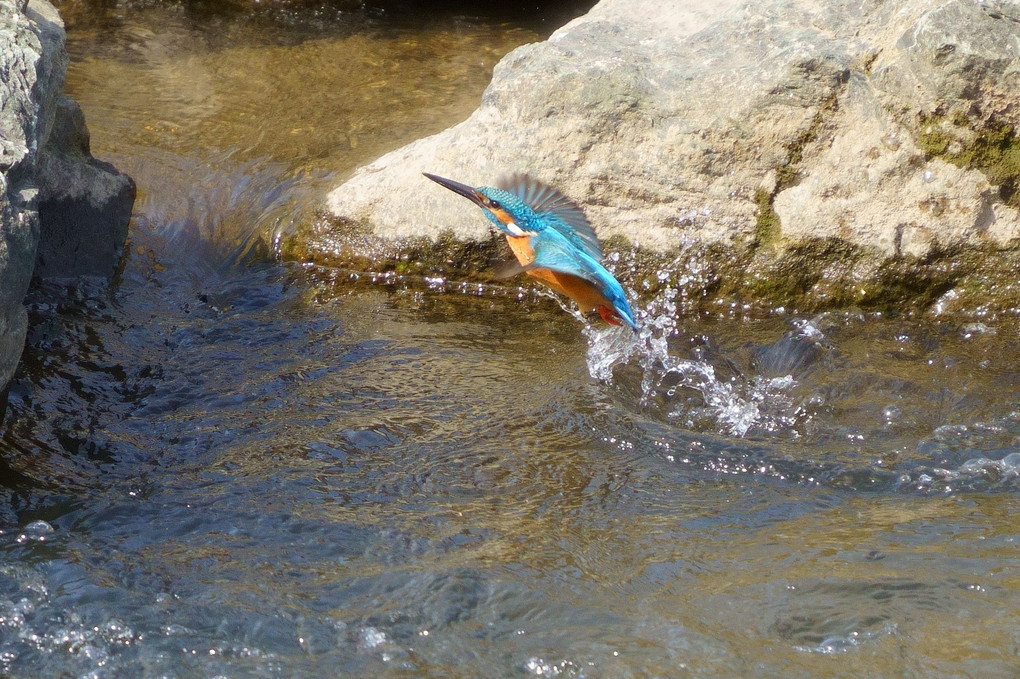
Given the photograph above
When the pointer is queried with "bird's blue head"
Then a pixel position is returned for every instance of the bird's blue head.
(505, 210)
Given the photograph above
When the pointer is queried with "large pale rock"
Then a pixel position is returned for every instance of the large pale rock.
(867, 182)
(864, 178)
(675, 121)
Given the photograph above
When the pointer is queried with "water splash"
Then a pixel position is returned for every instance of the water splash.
(976, 473)
(736, 404)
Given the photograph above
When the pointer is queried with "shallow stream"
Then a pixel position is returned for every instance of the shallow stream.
(224, 465)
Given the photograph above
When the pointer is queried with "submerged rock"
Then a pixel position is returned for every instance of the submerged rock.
(782, 136)
(49, 184)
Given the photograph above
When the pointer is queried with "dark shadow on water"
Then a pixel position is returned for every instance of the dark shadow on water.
(305, 19)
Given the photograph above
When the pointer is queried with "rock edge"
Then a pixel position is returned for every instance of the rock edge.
(63, 214)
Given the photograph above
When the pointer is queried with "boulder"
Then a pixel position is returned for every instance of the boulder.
(886, 126)
(893, 164)
(32, 66)
(50, 187)
(84, 203)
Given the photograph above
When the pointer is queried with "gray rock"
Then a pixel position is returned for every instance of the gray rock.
(677, 122)
(84, 203)
(32, 67)
(50, 187)
(866, 178)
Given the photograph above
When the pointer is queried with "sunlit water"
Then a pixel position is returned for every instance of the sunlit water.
(226, 466)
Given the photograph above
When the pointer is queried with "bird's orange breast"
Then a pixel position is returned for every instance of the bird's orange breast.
(583, 292)
(521, 246)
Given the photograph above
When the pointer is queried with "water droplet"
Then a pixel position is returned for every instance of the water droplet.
(892, 413)
(39, 528)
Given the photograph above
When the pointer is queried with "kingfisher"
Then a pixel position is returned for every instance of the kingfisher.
(552, 241)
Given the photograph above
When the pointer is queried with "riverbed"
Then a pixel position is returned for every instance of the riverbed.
(225, 464)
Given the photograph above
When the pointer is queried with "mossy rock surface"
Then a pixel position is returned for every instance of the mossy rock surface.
(992, 149)
(808, 275)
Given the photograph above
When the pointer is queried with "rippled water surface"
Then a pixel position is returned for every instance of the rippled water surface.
(227, 466)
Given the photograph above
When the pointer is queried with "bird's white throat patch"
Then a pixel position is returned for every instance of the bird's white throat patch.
(514, 229)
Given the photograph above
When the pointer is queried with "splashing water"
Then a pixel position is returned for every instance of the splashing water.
(737, 405)
(608, 348)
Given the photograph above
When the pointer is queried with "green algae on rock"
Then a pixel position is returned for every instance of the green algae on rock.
(808, 275)
(332, 242)
(993, 149)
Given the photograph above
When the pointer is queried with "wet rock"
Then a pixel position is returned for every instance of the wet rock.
(602, 110)
(48, 182)
(755, 126)
(84, 203)
(33, 63)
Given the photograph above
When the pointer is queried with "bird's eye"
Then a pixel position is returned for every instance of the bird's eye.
(494, 204)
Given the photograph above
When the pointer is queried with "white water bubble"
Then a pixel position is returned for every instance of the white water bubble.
(13, 614)
(1011, 463)
(36, 531)
(39, 528)
(542, 668)
(991, 470)
(837, 644)
(976, 465)
(372, 638)
(117, 632)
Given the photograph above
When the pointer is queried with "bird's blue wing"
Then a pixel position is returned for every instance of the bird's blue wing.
(557, 211)
(553, 251)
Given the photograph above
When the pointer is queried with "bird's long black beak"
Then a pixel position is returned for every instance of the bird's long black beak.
(462, 189)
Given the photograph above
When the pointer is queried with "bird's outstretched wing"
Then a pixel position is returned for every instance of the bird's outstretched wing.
(558, 211)
(553, 251)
